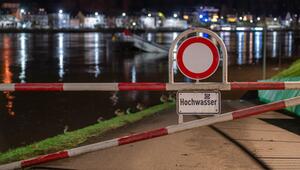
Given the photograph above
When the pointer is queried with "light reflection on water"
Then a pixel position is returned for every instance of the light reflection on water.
(84, 58)
(241, 48)
(289, 42)
(23, 57)
(274, 44)
(96, 58)
(258, 45)
(7, 74)
(61, 55)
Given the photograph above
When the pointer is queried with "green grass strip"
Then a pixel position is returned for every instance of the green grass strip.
(292, 71)
(74, 138)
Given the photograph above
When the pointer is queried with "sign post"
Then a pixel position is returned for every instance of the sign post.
(197, 58)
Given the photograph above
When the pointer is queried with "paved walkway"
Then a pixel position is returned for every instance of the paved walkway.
(272, 137)
(200, 148)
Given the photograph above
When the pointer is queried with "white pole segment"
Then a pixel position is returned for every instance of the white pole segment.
(292, 85)
(200, 122)
(292, 101)
(90, 87)
(14, 165)
(202, 86)
(7, 87)
(93, 147)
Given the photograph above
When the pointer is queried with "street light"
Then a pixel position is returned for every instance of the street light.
(275, 19)
(258, 18)
(240, 18)
(175, 15)
(60, 11)
(200, 16)
(22, 11)
(124, 14)
(96, 13)
(149, 15)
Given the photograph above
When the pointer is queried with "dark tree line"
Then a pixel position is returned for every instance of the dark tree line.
(259, 7)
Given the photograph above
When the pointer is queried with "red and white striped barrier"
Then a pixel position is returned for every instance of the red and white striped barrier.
(153, 133)
(149, 86)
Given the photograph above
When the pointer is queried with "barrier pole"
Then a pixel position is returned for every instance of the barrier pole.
(243, 113)
(149, 86)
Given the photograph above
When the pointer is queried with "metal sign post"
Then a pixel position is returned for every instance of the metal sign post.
(198, 58)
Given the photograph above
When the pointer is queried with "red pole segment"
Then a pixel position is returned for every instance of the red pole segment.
(257, 110)
(39, 87)
(142, 136)
(142, 86)
(45, 158)
(257, 85)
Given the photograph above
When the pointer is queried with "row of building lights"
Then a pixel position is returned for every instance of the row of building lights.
(175, 15)
(22, 11)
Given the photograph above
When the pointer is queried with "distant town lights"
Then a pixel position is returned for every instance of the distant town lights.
(186, 17)
(160, 14)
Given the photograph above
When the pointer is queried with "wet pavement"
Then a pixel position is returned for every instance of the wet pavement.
(251, 143)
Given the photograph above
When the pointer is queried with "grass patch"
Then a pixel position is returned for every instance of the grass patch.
(74, 138)
(292, 71)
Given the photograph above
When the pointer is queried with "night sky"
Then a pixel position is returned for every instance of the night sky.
(259, 7)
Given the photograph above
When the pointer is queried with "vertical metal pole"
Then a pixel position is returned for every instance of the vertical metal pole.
(265, 52)
(171, 61)
(280, 37)
(180, 119)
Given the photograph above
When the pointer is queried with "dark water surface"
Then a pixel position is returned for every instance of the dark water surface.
(26, 117)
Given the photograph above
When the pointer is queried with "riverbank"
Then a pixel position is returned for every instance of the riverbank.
(77, 137)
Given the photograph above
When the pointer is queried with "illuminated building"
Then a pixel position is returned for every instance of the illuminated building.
(59, 20)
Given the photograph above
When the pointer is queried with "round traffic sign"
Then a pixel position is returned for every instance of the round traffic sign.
(197, 58)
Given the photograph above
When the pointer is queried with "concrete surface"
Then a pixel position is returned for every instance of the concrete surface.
(275, 144)
(200, 148)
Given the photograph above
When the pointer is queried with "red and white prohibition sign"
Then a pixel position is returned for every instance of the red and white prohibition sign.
(198, 58)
